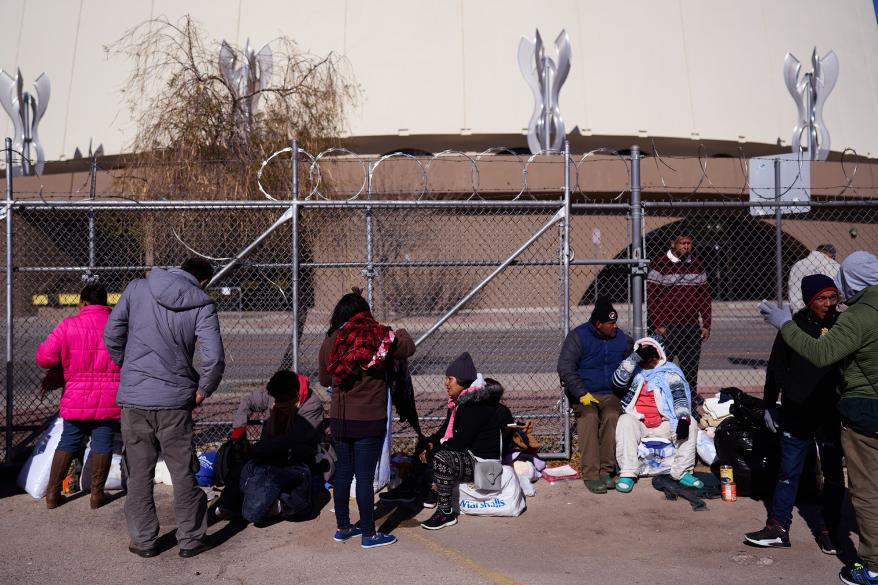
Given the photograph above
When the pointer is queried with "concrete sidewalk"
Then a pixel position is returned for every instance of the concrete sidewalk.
(567, 535)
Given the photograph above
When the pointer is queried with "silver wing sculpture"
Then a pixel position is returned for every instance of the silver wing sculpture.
(545, 132)
(26, 111)
(810, 92)
(247, 80)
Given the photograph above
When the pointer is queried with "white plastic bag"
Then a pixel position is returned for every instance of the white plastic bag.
(656, 456)
(162, 474)
(705, 448)
(34, 476)
(509, 501)
(115, 480)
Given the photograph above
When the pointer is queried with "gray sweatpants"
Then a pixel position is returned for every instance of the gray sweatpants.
(148, 433)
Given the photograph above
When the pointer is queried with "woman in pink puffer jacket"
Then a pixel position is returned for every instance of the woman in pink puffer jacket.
(88, 402)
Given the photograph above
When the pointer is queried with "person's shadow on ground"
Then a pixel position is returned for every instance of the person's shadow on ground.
(395, 514)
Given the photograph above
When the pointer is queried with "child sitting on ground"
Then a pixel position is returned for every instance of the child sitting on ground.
(656, 404)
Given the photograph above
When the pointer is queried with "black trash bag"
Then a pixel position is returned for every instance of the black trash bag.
(746, 408)
(751, 451)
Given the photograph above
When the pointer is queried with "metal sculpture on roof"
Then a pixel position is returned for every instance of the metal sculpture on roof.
(247, 80)
(545, 132)
(26, 111)
(810, 92)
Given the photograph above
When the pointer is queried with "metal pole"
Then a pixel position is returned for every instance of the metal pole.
(369, 271)
(453, 310)
(778, 249)
(370, 265)
(250, 247)
(294, 213)
(565, 247)
(636, 244)
(92, 195)
(9, 368)
(565, 288)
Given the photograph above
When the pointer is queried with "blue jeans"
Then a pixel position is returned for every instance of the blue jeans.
(793, 454)
(356, 457)
(75, 432)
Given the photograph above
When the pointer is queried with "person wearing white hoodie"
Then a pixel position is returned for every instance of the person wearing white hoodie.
(657, 404)
(820, 261)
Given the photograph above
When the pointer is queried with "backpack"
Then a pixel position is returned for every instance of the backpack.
(231, 454)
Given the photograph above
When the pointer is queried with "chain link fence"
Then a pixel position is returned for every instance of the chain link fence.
(466, 252)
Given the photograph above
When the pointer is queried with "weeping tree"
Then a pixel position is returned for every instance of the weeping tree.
(196, 132)
(202, 134)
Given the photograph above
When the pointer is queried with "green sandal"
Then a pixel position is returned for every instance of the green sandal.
(689, 480)
(625, 484)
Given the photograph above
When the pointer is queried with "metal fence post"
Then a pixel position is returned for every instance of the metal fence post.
(565, 288)
(92, 194)
(778, 244)
(636, 245)
(369, 271)
(10, 403)
(294, 220)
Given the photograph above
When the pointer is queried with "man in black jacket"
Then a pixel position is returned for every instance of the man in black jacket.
(807, 412)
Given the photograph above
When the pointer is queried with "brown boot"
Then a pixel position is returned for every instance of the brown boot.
(60, 465)
(100, 469)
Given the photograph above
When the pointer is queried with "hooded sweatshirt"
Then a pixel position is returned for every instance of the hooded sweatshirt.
(151, 334)
(666, 380)
(853, 341)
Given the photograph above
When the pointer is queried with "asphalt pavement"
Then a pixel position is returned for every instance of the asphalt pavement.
(567, 535)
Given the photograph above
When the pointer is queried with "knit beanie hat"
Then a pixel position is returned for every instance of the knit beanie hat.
(815, 284)
(603, 311)
(462, 368)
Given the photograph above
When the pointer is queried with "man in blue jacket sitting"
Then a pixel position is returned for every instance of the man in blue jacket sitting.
(589, 356)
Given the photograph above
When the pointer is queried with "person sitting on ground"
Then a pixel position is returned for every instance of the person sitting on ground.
(809, 395)
(284, 456)
(88, 402)
(656, 404)
(589, 356)
(471, 428)
(418, 482)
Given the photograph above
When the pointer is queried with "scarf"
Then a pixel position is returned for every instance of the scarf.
(453, 405)
(360, 344)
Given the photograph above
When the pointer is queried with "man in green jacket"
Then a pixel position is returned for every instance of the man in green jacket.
(853, 342)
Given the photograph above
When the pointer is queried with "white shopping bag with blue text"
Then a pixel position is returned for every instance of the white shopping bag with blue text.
(509, 501)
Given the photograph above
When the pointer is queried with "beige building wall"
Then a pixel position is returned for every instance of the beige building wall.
(690, 69)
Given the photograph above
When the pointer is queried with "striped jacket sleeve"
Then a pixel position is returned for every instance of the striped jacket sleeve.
(678, 394)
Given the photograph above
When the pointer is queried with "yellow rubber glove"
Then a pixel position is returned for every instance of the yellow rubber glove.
(587, 399)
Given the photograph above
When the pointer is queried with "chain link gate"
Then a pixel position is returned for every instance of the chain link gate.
(489, 277)
(502, 274)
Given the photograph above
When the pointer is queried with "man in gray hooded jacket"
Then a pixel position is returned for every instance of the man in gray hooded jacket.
(151, 334)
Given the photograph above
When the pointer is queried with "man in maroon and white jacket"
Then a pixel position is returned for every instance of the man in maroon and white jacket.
(678, 303)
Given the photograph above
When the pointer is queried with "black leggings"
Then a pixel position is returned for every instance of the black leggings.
(449, 469)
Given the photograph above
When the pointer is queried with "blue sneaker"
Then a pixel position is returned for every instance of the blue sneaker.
(343, 534)
(378, 539)
(858, 575)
